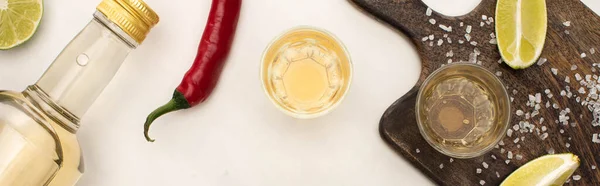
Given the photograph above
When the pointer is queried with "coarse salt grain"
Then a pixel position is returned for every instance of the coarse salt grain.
(485, 165)
(507, 161)
(567, 23)
(567, 79)
(431, 37)
(576, 177)
(417, 151)
(595, 138)
(451, 160)
(481, 24)
(441, 166)
(519, 157)
(573, 67)
(541, 61)
(499, 73)
(493, 157)
(510, 155)
(484, 17)
(583, 55)
(468, 29)
(446, 28)
(509, 132)
(592, 50)
(428, 12)
(519, 112)
(432, 21)
(593, 167)
(474, 43)
(554, 71)
(481, 182)
(440, 42)
(497, 174)
(478, 171)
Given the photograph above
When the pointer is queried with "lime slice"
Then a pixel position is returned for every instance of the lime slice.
(521, 31)
(546, 170)
(18, 21)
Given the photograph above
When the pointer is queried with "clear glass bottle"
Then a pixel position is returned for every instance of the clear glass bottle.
(38, 145)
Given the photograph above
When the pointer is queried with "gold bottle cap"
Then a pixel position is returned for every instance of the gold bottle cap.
(132, 16)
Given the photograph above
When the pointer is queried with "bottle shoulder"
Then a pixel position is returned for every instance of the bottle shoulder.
(18, 114)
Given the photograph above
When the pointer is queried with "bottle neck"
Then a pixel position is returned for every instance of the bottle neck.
(82, 70)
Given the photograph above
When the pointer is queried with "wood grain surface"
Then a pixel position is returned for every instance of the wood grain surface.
(563, 50)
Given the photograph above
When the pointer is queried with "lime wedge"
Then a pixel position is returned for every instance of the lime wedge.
(18, 21)
(521, 31)
(546, 170)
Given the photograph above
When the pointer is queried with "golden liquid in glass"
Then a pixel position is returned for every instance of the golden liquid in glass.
(306, 72)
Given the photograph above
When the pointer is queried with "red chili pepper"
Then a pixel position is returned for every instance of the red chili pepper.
(201, 78)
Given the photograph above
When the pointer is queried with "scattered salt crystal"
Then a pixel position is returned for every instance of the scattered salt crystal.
(507, 161)
(514, 91)
(417, 151)
(573, 67)
(484, 17)
(547, 91)
(519, 157)
(595, 138)
(544, 136)
(554, 71)
(509, 132)
(468, 37)
(498, 73)
(542, 121)
(468, 29)
(451, 160)
(425, 38)
(516, 127)
(563, 93)
(547, 104)
(449, 40)
(445, 35)
(581, 90)
(431, 43)
(519, 112)
(555, 106)
(561, 131)
(567, 23)
(491, 19)
(428, 12)
(500, 60)
(592, 50)
(518, 146)
(583, 55)
(576, 177)
(493, 41)
(439, 42)
(461, 24)
(431, 37)
(474, 43)
(446, 28)
(510, 155)
(493, 157)
(551, 151)
(460, 41)
(502, 151)
(481, 24)
(478, 171)
(541, 61)
(497, 174)
(485, 165)
(432, 21)
(501, 143)
(544, 128)
(593, 167)
(512, 99)
(481, 182)
(567, 79)
(538, 98)
(492, 35)
(441, 166)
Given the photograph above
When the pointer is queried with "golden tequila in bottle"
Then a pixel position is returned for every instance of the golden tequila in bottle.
(38, 145)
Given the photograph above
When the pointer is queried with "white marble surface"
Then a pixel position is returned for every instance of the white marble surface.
(237, 137)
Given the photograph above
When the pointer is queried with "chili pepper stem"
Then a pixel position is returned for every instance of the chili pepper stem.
(178, 102)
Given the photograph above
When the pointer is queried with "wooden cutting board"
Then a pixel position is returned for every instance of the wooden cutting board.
(563, 50)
